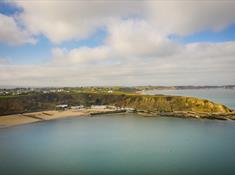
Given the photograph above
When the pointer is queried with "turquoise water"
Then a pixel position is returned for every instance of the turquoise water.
(119, 144)
(224, 96)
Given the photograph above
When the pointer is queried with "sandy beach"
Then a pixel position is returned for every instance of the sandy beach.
(24, 118)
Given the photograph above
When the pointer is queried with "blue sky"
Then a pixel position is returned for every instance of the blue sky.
(41, 52)
(128, 37)
(228, 34)
(9, 9)
(25, 54)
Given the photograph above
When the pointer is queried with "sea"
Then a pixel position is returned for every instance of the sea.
(123, 144)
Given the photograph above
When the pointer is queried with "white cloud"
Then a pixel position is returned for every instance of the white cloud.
(137, 54)
(199, 63)
(137, 38)
(11, 33)
(137, 50)
(63, 21)
(74, 20)
(81, 55)
(129, 39)
(187, 17)
(3, 61)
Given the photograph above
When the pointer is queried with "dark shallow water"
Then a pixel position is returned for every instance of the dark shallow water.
(119, 144)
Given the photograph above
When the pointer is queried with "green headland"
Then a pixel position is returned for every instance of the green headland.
(147, 105)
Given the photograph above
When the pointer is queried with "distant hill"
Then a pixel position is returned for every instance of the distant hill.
(182, 87)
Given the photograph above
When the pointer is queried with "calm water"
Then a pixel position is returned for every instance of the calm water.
(224, 96)
(119, 144)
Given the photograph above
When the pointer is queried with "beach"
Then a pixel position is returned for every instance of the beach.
(25, 118)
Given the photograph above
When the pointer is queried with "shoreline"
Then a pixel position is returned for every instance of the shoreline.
(190, 114)
(32, 117)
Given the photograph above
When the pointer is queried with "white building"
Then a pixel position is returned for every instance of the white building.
(77, 107)
(111, 107)
(98, 106)
(62, 106)
(129, 109)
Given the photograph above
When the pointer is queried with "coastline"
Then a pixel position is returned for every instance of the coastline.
(32, 117)
(190, 114)
(26, 118)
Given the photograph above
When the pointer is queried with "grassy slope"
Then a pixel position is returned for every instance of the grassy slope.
(36, 102)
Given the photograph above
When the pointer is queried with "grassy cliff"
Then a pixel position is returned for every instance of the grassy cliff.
(159, 103)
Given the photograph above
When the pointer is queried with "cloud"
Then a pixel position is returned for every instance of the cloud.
(134, 53)
(128, 39)
(81, 55)
(11, 33)
(198, 63)
(63, 21)
(137, 49)
(139, 39)
(3, 61)
(185, 18)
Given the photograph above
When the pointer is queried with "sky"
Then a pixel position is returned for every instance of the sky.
(117, 43)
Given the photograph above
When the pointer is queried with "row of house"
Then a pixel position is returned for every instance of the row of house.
(66, 106)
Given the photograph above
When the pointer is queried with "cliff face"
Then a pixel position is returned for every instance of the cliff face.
(37, 102)
(162, 103)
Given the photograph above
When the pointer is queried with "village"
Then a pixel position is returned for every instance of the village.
(24, 91)
(95, 108)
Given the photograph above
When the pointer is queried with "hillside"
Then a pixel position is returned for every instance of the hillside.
(159, 103)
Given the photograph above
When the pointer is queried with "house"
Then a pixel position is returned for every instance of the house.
(62, 106)
(77, 107)
(60, 90)
(111, 107)
(98, 106)
(129, 109)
